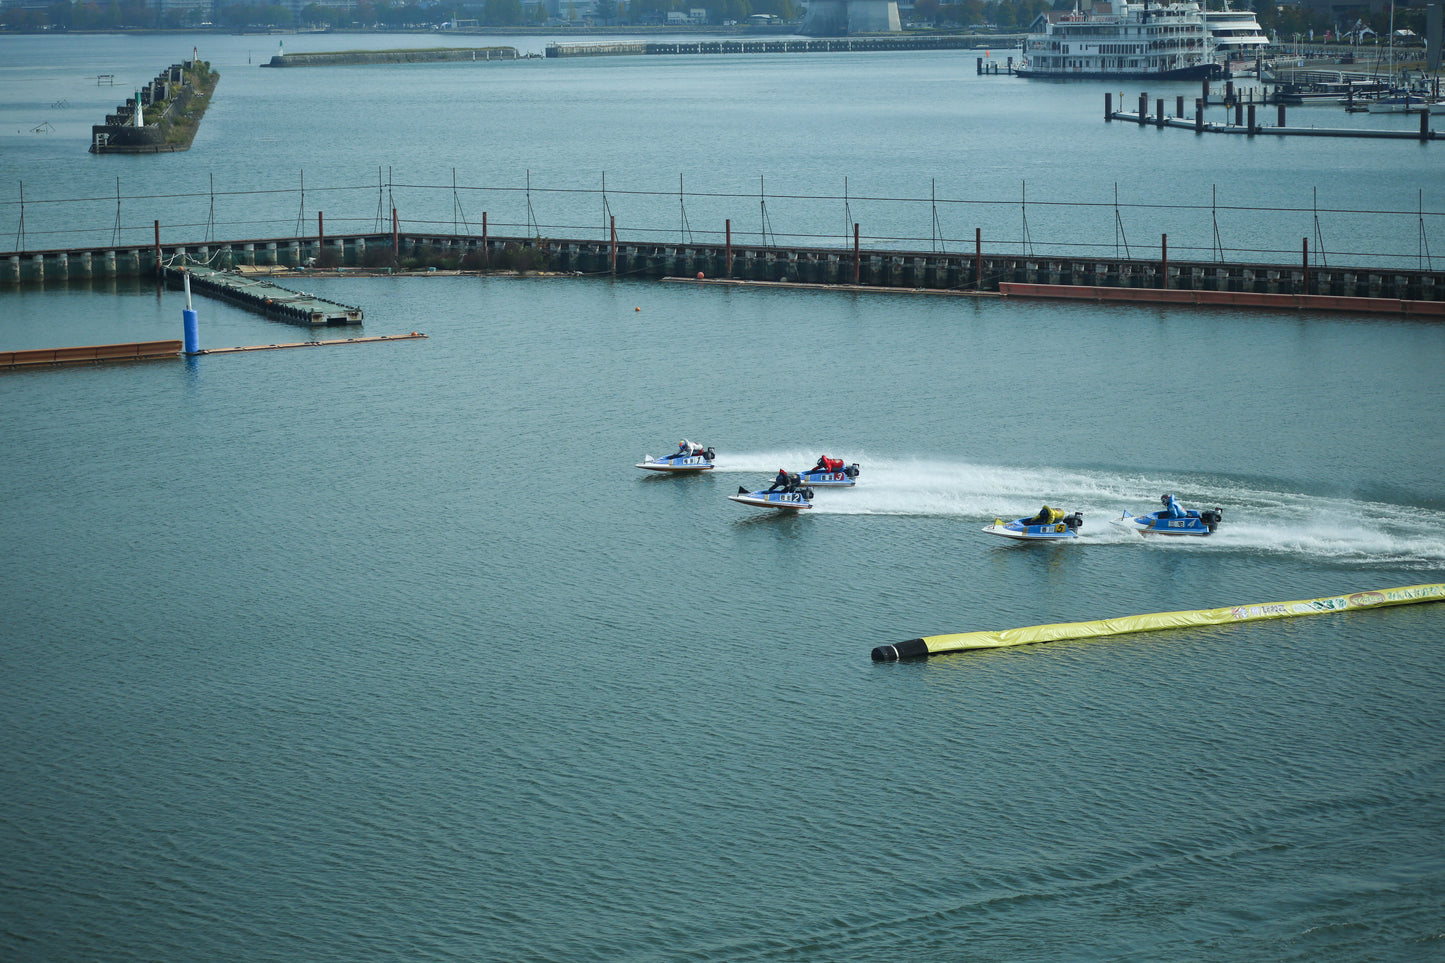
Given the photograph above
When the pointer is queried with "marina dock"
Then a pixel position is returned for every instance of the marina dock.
(264, 297)
(1244, 119)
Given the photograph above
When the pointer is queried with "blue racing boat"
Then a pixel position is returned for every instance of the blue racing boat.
(1050, 525)
(688, 458)
(1172, 520)
(830, 473)
(787, 493)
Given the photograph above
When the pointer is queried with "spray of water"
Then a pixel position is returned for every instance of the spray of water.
(1255, 519)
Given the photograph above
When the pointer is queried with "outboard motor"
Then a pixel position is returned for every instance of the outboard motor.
(709, 454)
(1212, 519)
(852, 470)
(1074, 521)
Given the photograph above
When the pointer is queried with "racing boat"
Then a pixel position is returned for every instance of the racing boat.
(795, 497)
(1032, 529)
(831, 474)
(1166, 522)
(687, 458)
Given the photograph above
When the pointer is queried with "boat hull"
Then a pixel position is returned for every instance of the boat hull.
(1157, 523)
(1192, 72)
(677, 464)
(818, 478)
(780, 501)
(1019, 531)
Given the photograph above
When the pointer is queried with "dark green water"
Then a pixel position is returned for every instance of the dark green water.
(388, 652)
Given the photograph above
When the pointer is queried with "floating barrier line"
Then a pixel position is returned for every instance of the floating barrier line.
(1125, 625)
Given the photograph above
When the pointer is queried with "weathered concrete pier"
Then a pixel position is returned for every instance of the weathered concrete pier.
(626, 48)
(423, 55)
(1396, 290)
(162, 117)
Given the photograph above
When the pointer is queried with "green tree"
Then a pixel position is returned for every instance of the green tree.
(504, 13)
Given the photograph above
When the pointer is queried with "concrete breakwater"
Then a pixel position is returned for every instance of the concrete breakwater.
(419, 56)
(163, 116)
(1345, 288)
(602, 48)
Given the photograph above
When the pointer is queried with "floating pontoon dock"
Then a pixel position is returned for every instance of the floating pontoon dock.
(264, 297)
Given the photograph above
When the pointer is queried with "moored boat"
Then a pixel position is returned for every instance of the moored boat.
(1399, 102)
(1238, 41)
(1120, 40)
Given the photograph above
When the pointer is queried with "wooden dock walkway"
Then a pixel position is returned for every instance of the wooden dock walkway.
(91, 354)
(316, 344)
(264, 297)
(159, 351)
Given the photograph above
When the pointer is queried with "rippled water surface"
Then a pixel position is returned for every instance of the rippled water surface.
(387, 651)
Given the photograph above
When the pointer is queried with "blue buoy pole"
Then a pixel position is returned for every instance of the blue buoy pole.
(189, 321)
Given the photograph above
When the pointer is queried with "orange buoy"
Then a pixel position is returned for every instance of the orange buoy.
(699, 275)
(637, 309)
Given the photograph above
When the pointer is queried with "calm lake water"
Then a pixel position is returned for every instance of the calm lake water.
(387, 651)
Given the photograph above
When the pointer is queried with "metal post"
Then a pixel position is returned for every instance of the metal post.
(320, 234)
(978, 259)
(1108, 105)
(612, 242)
(486, 248)
(1306, 266)
(158, 248)
(1179, 106)
(1164, 267)
(1198, 115)
(1143, 109)
(728, 229)
(1281, 115)
(395, 238)
(855, 253)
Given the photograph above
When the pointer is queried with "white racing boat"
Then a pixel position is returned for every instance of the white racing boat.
(688, 458)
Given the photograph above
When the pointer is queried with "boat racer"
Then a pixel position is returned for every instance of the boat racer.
(1172, 508)
(1046, 516)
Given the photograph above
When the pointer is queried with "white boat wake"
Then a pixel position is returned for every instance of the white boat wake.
(1254, 519)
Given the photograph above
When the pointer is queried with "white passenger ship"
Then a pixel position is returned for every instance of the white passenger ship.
(1239, 42)
(1121, 40)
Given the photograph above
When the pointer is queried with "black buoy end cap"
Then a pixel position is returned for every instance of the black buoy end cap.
(911, 649)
